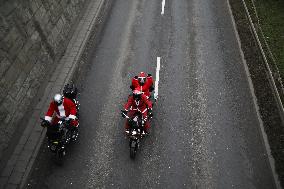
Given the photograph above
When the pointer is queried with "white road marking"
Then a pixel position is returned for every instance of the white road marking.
(163, 7)
(157, 78)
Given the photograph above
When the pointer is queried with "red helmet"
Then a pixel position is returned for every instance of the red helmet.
(137, 93)
(142, 78)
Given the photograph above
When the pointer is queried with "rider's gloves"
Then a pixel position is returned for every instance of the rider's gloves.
(132, 87)
(123, 113)
(44, 123)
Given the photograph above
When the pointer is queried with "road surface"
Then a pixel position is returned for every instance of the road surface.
(205, 132)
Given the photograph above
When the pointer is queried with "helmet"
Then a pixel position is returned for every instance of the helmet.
(70, 91)
(142, 78)
(137, 94)
(58, 98)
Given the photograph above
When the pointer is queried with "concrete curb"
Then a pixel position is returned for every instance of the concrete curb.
(19, 165)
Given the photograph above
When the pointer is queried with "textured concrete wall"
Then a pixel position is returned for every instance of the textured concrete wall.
(33, 35)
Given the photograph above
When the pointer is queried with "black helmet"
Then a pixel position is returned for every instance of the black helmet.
(70, 91)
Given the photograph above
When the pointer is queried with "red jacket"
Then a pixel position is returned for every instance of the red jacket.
(66, 109)
(143, 88)
(140, 105)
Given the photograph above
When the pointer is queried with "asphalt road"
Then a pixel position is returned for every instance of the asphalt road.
(205, 132)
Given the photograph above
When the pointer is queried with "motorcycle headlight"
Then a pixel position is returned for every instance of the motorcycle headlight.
(134, 132)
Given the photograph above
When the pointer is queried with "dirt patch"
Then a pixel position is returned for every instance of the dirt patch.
(270, 115)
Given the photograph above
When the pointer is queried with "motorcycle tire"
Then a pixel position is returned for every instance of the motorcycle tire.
(132, 152)
(133, 148)
(59, 157)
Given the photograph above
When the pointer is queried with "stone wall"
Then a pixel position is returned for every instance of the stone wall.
(33, 36)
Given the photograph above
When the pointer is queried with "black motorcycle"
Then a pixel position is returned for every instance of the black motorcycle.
(135, 132)
(58, 136)
(61, 134)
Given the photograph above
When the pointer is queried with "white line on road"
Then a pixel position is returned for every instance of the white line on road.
(163, 7)
(157, 78)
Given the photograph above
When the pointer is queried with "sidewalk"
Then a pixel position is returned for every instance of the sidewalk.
(21, 161)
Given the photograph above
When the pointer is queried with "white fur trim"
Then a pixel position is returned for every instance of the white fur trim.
(48, 118)
(61, 111)
(72, 116)
(144, 110)
(137, 102)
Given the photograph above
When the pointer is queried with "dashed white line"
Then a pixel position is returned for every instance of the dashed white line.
(157, 78)
(163, 7)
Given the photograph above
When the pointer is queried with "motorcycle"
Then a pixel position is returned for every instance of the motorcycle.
(135, 132)
(59, 136)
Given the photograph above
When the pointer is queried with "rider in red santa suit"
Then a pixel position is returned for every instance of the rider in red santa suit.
(143, 83)
(63, 108)
(138, 102)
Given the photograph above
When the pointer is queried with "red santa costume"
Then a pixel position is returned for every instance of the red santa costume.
(66, 110)
(140, 105)
(145, 88)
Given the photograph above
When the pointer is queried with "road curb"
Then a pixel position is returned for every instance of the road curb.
(20, 163)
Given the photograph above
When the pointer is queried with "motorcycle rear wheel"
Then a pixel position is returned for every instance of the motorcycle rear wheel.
(59, 157)
(132, 152)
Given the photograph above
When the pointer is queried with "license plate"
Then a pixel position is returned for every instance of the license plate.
(53, 147)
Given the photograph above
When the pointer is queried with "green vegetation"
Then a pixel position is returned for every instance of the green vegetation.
(271, 18)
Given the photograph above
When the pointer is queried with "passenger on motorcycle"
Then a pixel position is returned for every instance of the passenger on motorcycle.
(143, 83)
(63, 108)
(138, 102)
(70, 91)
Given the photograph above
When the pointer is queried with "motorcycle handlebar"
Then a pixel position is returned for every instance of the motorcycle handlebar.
(124, 115)
(127, 117)
(44, 123)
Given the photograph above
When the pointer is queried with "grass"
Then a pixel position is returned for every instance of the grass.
(271, 17)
